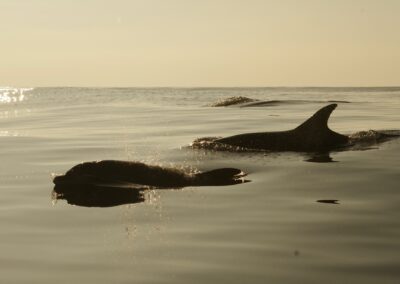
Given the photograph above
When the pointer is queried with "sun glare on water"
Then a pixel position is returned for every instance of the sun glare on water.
(12, 95)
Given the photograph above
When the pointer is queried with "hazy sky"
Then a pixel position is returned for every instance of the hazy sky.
(199, 42)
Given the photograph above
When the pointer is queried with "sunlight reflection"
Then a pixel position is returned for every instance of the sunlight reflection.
(12, 95)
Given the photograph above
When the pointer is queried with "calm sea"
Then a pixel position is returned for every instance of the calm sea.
(270, 230)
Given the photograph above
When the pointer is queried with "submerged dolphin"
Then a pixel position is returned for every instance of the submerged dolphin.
(312, 135)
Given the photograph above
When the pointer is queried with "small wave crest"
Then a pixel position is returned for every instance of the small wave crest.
(248, 102)
(232, 101)
(373, 136)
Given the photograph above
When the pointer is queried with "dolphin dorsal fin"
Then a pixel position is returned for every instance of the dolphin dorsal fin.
(319, 121)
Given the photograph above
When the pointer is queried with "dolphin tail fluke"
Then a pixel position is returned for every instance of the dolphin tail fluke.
(224, 176)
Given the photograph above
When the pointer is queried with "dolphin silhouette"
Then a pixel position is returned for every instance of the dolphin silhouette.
(111, 183)
(313, 135)
(125, 173)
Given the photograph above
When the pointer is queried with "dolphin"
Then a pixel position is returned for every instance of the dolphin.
(113, 172)
(111, 183)
(313, 135)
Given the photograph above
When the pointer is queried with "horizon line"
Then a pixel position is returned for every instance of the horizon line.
(205, 87)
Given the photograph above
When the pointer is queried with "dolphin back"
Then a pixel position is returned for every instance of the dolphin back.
(319, 120)
(111, 172)
(311, 136)
(315, 133)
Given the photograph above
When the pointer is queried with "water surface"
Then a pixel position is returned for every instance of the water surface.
(271, 230)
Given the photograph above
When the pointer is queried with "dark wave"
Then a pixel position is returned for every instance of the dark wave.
(248, 102)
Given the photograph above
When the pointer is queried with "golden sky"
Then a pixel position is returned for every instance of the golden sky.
(199, 43)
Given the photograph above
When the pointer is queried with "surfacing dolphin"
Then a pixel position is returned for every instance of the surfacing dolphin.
(313, 135)
(110, 183)
(112, 172)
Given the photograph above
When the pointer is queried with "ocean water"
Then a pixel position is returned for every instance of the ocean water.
(269, 230)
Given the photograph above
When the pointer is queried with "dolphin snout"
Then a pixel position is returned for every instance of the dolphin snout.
(59, 179)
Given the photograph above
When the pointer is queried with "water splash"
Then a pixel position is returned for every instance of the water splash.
(232, 101)
(373, 136)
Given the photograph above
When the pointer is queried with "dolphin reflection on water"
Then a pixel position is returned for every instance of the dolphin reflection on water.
(110, 182)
